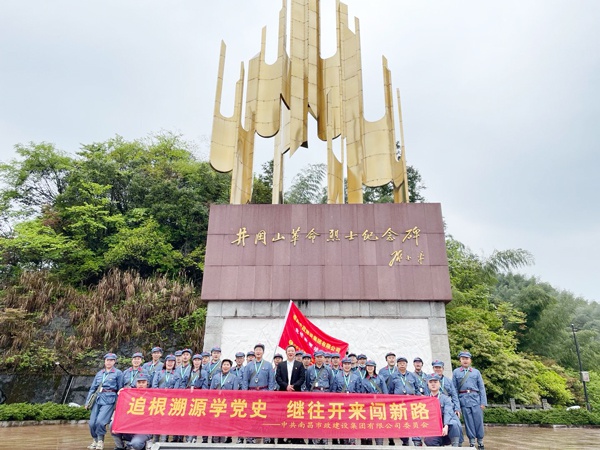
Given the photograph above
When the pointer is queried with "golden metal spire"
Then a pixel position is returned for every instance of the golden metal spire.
(280, 97)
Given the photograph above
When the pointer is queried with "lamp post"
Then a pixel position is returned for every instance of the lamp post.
(587, 401)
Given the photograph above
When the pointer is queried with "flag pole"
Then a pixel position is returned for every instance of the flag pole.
(282, 327)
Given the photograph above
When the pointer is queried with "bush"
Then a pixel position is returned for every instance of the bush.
(539, 417)
(43, 411)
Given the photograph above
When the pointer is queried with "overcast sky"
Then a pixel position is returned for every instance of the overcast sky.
(501, 100)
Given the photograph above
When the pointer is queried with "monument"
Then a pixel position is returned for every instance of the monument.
(375, 276)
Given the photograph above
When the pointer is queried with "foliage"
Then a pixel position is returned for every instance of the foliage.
(262, 190)
(307, 185)
(139, 205)
(43, 411)
(554, 416)
(49, 321)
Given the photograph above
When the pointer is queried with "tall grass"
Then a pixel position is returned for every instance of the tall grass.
(123, 307)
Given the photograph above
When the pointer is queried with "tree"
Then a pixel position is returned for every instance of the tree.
(79, 217)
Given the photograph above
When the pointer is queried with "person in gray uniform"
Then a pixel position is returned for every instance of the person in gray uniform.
(451, 423)
(131, 374)
(405, 383)
(373, 384)
(102, 398)
(387, 374)
(228, 381)
(133, 441)
(154, 364)
(258, 376)
(319, 378)
(473, 399)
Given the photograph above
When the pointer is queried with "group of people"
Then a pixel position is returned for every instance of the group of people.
(464, 394)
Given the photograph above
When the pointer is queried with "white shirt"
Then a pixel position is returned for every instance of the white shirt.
(290, 367)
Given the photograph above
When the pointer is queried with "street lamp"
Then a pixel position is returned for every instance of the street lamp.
(583, 380)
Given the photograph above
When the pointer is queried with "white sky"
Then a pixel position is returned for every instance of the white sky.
(501, 100)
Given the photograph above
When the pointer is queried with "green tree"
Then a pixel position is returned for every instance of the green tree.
(82, 216)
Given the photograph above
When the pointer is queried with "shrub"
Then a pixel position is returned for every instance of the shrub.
(43, 411)
(539, 417)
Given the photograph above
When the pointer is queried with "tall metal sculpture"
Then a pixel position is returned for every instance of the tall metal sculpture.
(280, 96)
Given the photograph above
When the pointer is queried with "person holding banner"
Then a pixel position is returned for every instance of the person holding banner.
(452, 427)
(134, 441)
(290, 377)
(167, 378)
(372, 384)
(101, 399)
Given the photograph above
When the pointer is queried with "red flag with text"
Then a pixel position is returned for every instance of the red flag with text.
(305, 335)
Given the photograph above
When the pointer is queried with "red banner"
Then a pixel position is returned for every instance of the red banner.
(275, 414)
(304, 335)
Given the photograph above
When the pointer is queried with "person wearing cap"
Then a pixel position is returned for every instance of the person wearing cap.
(347, 382)
(205, 359)
(446, 385)
(451, 423)
(299, 355)
(372, 384)
(319, 378)
(421, 378)
(327, 359)
(250, 357)
(225, 379)
(101, 399)
(178, 357)
(166, 378)
(154, 364)
(361, 361)
(185, 369)
(472, 397)
(405, 383)
(420, 375)
(387, 374)
(134, 441)
(131, 374)
(198, 378)
(214, 366)
(306, 363)
(258, 376)
(336, 365)
(238, 369)
(354, 360)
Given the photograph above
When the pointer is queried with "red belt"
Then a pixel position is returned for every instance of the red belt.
(109, 390)
(257, 388)
(468, 391)
(320, 389)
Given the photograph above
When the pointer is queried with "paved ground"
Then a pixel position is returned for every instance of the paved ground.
(76, 437)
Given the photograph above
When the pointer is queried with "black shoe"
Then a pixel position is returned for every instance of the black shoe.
(481, 447)
(391, 442)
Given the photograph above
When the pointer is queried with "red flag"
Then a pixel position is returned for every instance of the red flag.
(304, 335)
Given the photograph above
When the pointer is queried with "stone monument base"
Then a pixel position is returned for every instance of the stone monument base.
(408, 329)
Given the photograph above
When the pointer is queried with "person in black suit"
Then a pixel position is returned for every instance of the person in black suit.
(290, 377)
